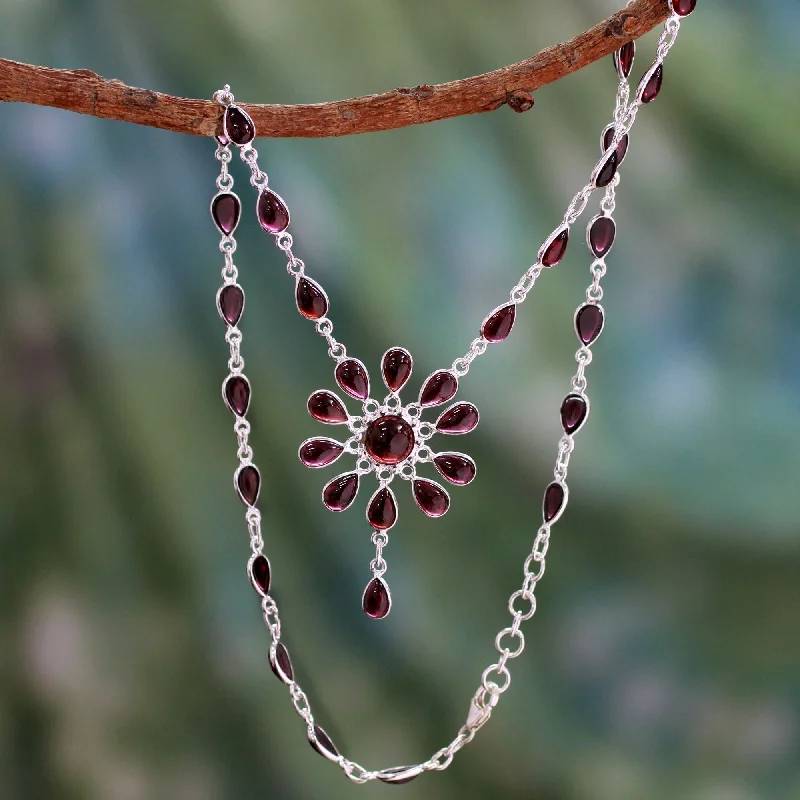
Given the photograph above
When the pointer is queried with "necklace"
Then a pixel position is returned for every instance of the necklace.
(390, 438)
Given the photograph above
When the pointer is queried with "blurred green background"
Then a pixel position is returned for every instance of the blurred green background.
(663, 660)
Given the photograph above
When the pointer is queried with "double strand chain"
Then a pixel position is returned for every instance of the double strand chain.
(589, 319)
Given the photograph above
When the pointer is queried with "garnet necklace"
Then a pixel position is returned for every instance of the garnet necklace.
(388, 436)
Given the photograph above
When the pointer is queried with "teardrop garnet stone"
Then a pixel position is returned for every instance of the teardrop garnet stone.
(322, 743)
(389, 439)
(281, 663)
(683, 7)
(225, 211)
(339, 494)
(430, 497)
(237, 394)
(553, 502)
(607, 172)
(573, 413)
(317, 453)
(382, 509)
(623, 59)
(589, 323)
(248, 484)
(438, 389)
(398, 775)
(260, 574)
(396, 367)
(230, 303)
(555, 249)
(499, 323)
(457, 468)
(460, 418)
(600, 235)
(353, 377)
(272, 212)
(312, 302)
(653, 85)
(622, 144)
(377, 600)
(239, 128)
(326, 407)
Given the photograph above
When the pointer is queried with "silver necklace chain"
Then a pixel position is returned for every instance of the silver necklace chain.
(510, 641)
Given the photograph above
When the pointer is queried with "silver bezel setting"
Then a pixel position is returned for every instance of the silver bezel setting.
(225, 125)
(460, 455)
(339, 399)
(546, 244)
(585, 416)
(302, 277)
(440, 487)
(428, 379)
(491, 314)
(219, 303)
(645, 80)
(252, 577)
(336, 478)
(410, 372)
(602, 326)
(267, 190)
(589, 230)
(343, 388)
(320, 439)
(222, 193)
(448, 410)
(227, 380)
(380, 488)
(564, 502)
(275, 664)
(318, 746)
(388, 595)
(236, 483)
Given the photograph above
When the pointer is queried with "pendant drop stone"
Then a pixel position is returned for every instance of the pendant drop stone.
(382, 509)
(602, 231)
(396, 368)
(322, 743)
(239, 128)
(248, 484)
(438, 389)
(460, 418)
(281, 663)
(260, 574)
(553, 501)
(607, 172)
(237, 394)
(432, 499)
(622, 144)
(573, 413)
(555, 249)
(683, 7)
(225, 211)
(497, 326)
(327, 407)
(623, 59)
(317, 453)
(653, 85)
(352, 376)
(377, 601)
(339, 494)
(230, 302)
(589, 323)
(312, 302)
(272, 212)
(455, 467)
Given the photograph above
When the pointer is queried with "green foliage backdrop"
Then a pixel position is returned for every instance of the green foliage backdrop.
(663, 661)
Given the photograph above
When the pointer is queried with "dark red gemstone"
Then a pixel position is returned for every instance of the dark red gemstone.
(320, 452)
(622, 144)
(460, 418)
(382, 509)
(377, 601)
(438, 389)
(389, 439)
(237, 394)
(340, 492)
(398, 775)
(273, 215)
(683, 7)
(352, 376)
(322, 743)
(327, 407)
(499, 323)
(225, 211)
(431, 497)
(396, 368)
(573, 412)
(281, 664)
(589, 323)
(239, 128)
(553, 501)
(653, 85)
(602, 231)
(555, 249)
(607, 172)
(248, 483)
(222, 139)
(457, 468)
(623, 59)
(260, 574)
(312, 302)
(230, 302)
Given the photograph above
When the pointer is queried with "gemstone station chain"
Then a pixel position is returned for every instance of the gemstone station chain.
(589, 320)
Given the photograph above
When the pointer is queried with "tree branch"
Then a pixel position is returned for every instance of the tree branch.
(86, 92)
